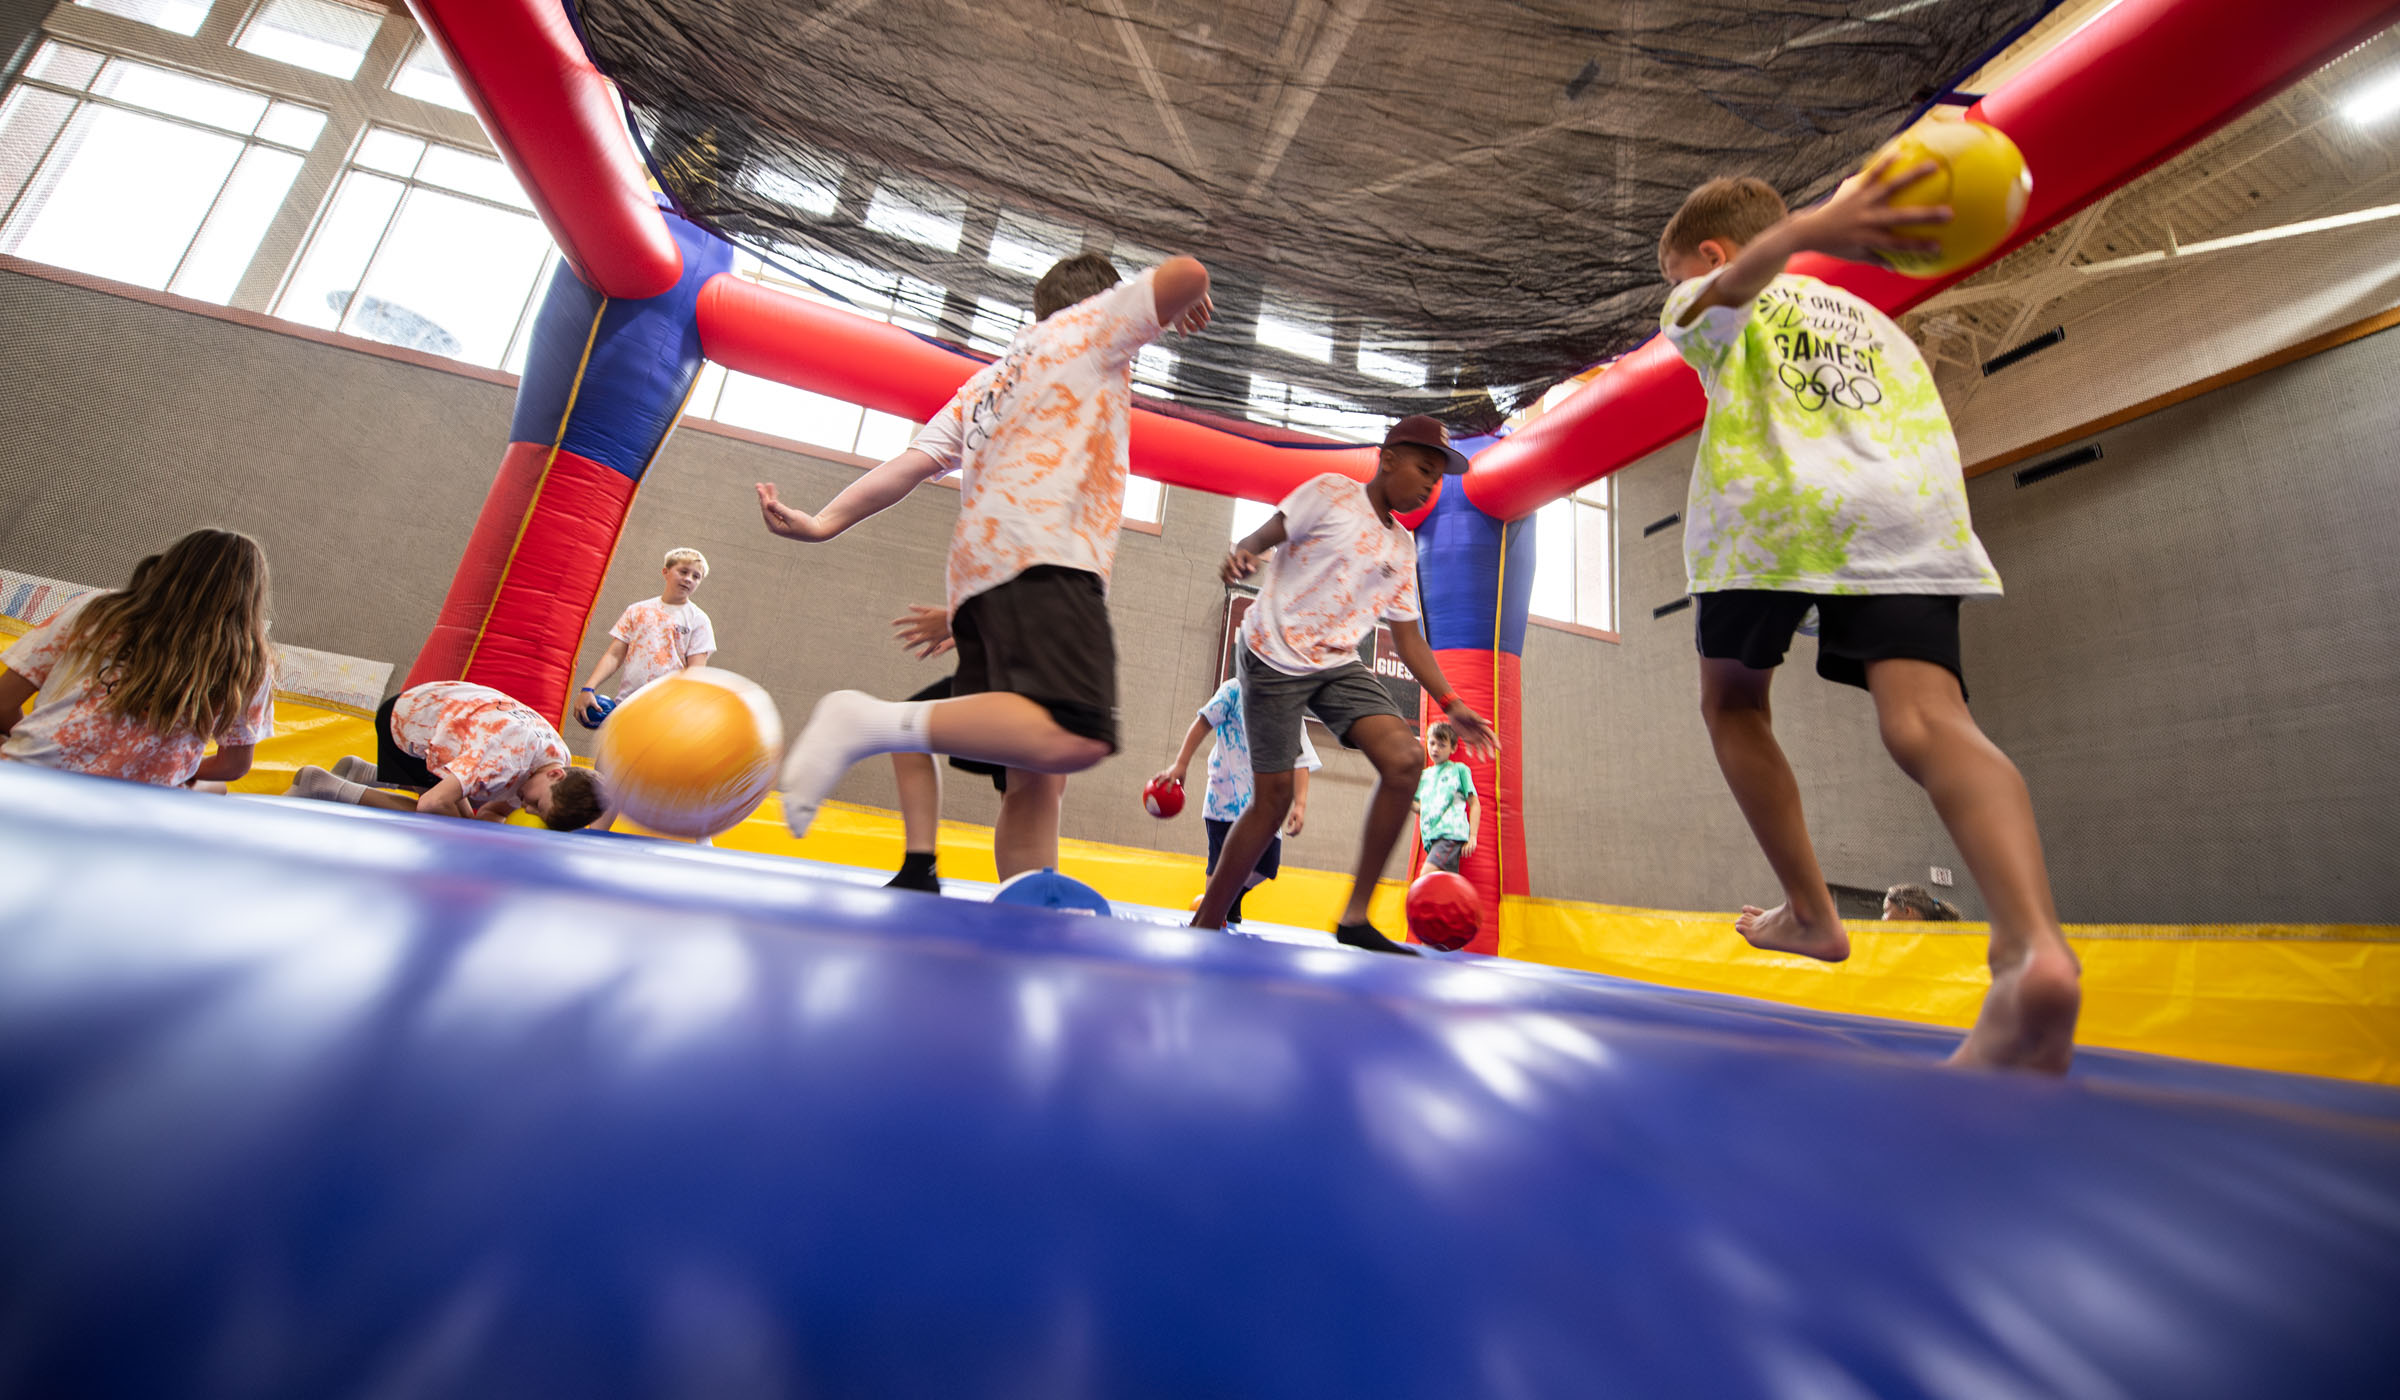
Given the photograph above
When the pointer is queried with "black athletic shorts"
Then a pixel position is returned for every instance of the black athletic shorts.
(943, 690)
(394, 765)
(1270, 860)
(1755, 626)
(1044, 635)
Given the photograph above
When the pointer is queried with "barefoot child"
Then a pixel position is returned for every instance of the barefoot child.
(1828, 477)
(463, 750)
(1449, 815)
(1230, 789)
(653, 638)
(1344, 563)
(136, 684)
(1039, 440)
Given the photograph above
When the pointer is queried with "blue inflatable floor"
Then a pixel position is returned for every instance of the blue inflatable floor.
(302, 1100)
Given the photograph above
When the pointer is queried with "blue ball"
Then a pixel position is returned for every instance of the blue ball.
(1047, 889)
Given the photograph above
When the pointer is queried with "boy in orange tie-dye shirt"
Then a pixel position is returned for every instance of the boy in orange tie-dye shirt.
(655, 637)
(463, 750)
(1038, 438)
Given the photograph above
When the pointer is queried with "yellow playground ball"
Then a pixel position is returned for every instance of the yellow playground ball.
(1978, 172)
(691, 753)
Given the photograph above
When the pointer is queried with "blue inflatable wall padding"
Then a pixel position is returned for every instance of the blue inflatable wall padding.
(643, 361)
(301, 1100)
(1458, 573)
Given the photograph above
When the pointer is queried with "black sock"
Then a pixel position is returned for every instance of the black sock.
(1234, 914)
(916, 873)
(1364, 935)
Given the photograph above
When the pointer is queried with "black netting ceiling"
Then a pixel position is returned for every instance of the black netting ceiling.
(1407, 207)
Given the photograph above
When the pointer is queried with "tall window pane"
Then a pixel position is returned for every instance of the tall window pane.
(324, 35)
(450, 279)
(428, 79)
(121, 196)
(337, 256)
(236, 225)
(175, 16)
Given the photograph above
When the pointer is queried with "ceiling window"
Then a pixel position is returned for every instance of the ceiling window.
(141, 174)
(919, 213)
(1027, 246)
(427, 78)
(325, 36)
(1575, 571)
(424, 246)
(174, 16)
(1296, 334)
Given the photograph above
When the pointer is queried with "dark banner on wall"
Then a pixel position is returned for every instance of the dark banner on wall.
(1377, 650)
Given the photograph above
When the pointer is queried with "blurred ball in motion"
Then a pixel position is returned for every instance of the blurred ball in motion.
(1978, 172)
(691, 753)
(1444, 910)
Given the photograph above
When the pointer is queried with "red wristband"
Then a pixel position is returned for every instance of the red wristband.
(1444, 702)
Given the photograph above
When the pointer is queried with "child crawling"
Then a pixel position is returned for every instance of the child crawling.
(462, 750)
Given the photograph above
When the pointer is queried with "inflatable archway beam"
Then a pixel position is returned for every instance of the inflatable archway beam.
(759, 330)
(554, 120)
(2139, 84)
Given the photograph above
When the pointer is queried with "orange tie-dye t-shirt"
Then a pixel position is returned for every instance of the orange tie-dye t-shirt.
(1338, 571)
(475, 734)
(1038, 438)
(660, 639)
(71, 726)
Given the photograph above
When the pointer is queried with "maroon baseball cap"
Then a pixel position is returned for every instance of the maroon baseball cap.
(1425, 430)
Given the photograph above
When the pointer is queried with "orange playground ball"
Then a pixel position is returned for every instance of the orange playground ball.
(1978, 172)
(691, 753)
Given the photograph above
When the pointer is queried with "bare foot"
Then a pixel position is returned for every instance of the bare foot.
(2028, 1017)
(1779, 930)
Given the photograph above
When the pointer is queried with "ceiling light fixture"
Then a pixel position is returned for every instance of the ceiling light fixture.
(2374, 102)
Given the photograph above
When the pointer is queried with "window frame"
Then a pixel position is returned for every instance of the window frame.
(1612, 632)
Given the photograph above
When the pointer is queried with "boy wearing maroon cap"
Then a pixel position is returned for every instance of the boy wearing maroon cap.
(1344, 564)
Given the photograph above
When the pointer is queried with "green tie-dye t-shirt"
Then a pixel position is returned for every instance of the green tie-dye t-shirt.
(1826, 461)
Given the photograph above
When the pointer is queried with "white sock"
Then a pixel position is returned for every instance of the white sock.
(354, 769)
(847, 725)
(315, 782)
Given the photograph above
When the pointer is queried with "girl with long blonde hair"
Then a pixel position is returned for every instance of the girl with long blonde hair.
(137, 683)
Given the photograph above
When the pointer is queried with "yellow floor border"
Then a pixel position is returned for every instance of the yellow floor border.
(2314, 999)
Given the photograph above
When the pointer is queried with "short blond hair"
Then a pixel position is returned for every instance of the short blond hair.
(678, 556)
(1736, 208)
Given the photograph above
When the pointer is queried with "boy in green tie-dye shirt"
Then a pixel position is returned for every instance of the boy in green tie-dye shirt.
(1828, 478)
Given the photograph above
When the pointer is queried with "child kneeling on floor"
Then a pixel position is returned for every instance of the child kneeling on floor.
(463, 750)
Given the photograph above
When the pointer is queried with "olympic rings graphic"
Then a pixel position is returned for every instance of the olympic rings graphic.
(1828, 383)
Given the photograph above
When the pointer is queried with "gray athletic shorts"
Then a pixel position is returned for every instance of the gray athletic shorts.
(1276, 704)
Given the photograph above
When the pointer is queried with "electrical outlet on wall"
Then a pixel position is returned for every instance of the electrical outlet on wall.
(1940, 875)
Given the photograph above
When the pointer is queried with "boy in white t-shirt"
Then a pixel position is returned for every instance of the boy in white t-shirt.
(1827, 478)
(655, 637)
(1039, 439)
(1229, 786)
(1345, 563)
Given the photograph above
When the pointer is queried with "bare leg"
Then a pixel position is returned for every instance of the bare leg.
(388, 801)
(919, 778)
(997, 727)
(1733, 701)
(1399, 761)
(1026, 836)
(2028, 1017)
(1270, 802)
(847, 726)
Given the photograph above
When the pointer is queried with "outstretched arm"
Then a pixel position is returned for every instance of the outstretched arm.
(1857, 223)
(1173, 772)
(1474, 734)
(876, 490)
(1243, 559)
(1180, 287)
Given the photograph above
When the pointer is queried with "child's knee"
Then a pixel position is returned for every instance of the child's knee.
(1401, 764)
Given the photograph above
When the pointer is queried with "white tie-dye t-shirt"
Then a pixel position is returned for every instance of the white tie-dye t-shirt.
(478, 735)
(1339, 570)
(1826, 462)
(72, 727)
(1038, 438)
(660, 639)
